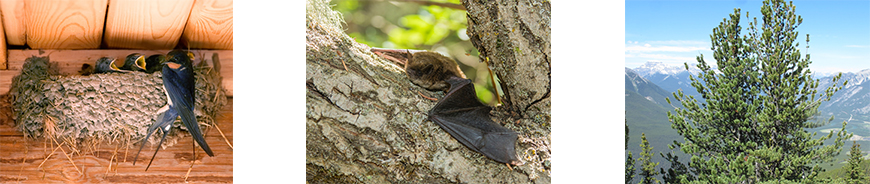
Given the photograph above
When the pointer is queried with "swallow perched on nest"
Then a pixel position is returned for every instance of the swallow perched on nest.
(178, 82)
(134, 62)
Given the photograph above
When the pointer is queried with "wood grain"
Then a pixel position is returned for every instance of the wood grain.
(13, 21)
(22, 157)
(136, 24)
(210, 25)
(2, 49)
(64, 24)
(69, 62)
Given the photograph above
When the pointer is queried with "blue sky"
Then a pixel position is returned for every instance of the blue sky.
(675, 32)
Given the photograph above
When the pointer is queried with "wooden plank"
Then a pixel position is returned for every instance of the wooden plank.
(65, 24)
(154, 24)
(2, 49)
(210, 25)
(69, 62)
(6, 80)
(13, 21)
(22, 157)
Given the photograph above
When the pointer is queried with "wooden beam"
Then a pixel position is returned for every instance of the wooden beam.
(22, 158)
(2, 48)
(210, 25)
(69, 62)
(65, 24)
(154, 24)
(13, 21)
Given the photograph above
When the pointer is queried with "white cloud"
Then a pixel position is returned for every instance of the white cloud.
(672, 52)
(666, 46)
(650, 48)
(659, 57)
(679, 42)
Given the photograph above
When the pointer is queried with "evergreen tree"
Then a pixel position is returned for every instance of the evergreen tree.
(758, 104)
(629, 162)
(648, 168)
(856, 173)
(678, 171)
(629, 168)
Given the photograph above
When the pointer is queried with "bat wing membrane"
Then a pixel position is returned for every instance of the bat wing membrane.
(465, 118)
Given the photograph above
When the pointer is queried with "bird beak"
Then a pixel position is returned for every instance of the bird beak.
(141, 61)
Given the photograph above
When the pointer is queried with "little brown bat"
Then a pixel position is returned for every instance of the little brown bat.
(426, 69)
(459, 113)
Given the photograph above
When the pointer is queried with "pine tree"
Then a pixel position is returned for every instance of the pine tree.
(629, 168)
(758, 103)
(629, 162)
(856, 173)
(648, 168)
(678, 171)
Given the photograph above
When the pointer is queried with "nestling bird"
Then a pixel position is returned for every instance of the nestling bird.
(427, 69)
(154, 63)
(106, 65)
(460, 113)
(134, 62)
(178, 82)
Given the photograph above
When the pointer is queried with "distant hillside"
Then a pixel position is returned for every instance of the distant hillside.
(669, 77)
(648, 90)
(852, 103)
(646, 112)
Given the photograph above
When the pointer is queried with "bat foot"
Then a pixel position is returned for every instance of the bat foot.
(424, 96)
(516, 163)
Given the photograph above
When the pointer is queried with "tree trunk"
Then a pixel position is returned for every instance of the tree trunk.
(367, 123)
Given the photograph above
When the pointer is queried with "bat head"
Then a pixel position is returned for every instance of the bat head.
(431, 69)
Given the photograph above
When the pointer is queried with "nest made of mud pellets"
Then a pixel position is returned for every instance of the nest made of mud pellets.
(114, 107)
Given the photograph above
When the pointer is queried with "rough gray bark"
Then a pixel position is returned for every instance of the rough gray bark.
(366, 122)
(515, 37)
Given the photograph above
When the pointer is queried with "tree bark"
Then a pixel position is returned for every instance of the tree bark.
(367, 123)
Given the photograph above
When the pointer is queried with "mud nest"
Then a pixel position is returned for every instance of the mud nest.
(113, 107)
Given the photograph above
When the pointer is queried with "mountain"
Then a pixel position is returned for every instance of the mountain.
(646, 89)
(646, 112)
(669, 77)
(850, 103)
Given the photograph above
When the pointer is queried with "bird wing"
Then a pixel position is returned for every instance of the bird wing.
(179, 83)
(165, 118)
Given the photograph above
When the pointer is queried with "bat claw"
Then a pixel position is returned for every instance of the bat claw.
(424, 96)
(516, 163)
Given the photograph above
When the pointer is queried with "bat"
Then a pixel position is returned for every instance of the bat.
(468, 120)
(459, 113)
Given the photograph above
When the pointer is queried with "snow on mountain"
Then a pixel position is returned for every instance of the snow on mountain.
(669, 77)
(853, 98)
(650, 68)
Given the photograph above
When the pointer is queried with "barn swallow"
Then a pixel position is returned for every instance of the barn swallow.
(179, 84)
(106, 65)
(164, 123)
(154, 63)
(134, 62)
